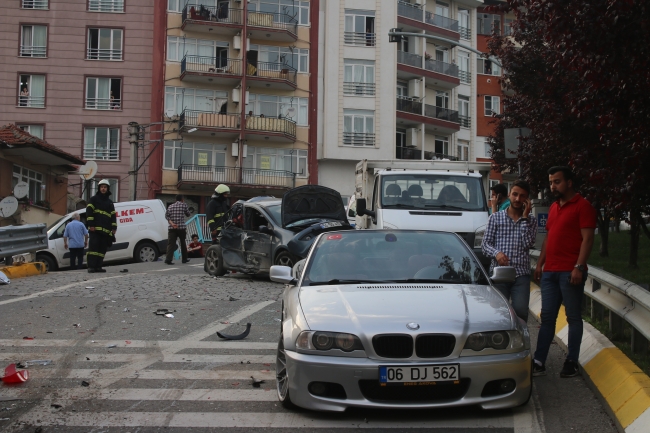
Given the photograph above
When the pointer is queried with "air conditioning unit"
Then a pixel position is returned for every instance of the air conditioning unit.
(236, 92)
(411, 137)
(234, 149)
(236, 42)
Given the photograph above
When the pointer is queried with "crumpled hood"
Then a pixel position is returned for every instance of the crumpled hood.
(312, 201)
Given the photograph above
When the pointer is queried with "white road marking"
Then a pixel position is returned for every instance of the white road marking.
(164, 270)
(267, 375)
(196, 266)
(150, 394)
(220, 344)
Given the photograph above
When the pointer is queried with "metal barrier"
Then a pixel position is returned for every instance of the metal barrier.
(624, 299)
(27, 238)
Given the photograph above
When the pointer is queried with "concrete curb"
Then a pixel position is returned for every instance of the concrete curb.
(24, 270)
(621, 385)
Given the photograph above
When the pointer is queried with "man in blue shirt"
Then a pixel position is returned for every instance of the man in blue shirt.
(77, 234)
(499, 198)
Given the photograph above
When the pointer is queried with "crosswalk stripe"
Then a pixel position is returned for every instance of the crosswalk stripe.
(151, 394)
(266, 375)
(221, 344)
(135, 357)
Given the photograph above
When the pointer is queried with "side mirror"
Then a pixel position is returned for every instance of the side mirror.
(266, 230)
(361, 208)
(282, 274)
(504, 274)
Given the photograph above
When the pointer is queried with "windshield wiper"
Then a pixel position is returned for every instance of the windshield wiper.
(339, 281)
(445, 206)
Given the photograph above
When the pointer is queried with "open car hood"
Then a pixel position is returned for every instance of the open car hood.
(312, 201)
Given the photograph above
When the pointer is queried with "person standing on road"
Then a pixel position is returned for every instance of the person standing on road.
(499, 198)
(509, 236)
(175, 215)
(216, 210)
(570, 235)
(102, 225)
(77, 233)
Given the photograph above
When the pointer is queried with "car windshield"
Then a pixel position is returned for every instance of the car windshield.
(432, 191)
(275, 212)
(392, 256)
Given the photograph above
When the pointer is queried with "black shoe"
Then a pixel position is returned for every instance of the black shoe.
(538, 370)
(570, 369)
(186, 261)
(91, 270)
(100, 270)
(169, 263)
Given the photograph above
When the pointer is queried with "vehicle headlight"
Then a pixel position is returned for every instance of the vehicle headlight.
(498, 340)
(478, 236)
(311, 340)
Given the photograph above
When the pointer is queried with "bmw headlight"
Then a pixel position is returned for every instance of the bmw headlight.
(494, 342)
(478, 236)
(323, 341)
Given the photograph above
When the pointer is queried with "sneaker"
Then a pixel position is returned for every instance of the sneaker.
(570, 369)
(538, 370)
(186, 261)
(91, 270)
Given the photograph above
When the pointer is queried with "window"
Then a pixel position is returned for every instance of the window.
(507, 27)
(464, 72)
(35, 130)
(463, 24)
(442, 9)
(291, 160)
(487, 67)
(35, 4)
(33, 41)
(359, 77)
(202, 154)
(482, 147)
(358, 128)
(486, 23)
(298, 58)
(463, 111)
(442, 99)
(92, 188)
(178, 47)
(291, 8)
(178, 5)
(106, 5)
(103, 93)
(463, 150)
(102, 143)
(359, 27)
(276, 106)
(31, 91)
(441, 146)
(33, 178)
(181, 98)
(492, 105)
(104, 44)
(442, 54)
(402, 90)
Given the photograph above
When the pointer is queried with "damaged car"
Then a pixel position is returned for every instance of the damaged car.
(267, 231)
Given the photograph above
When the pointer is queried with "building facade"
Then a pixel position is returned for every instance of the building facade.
(236, 100)
(75, 73)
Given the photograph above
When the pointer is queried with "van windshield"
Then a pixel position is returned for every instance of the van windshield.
(431, 191)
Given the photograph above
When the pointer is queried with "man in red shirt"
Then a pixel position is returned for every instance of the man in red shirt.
(570, 226)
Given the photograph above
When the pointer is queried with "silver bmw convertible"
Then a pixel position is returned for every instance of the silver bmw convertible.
(398, 319)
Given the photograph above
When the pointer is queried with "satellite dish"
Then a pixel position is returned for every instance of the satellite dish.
(88, 171)
(169, 113)
(21, 189)
(290, 111)
(8, 206)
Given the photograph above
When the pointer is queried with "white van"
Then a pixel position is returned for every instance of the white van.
(141, 235)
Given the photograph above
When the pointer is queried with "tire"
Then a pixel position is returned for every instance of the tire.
(50, 263)
(214, 262)
(145, 252)
(285, 258)
(282, 379)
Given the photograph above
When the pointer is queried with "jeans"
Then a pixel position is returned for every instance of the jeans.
(519, 291)
(76, 255)
(556, 289)
(172, 235)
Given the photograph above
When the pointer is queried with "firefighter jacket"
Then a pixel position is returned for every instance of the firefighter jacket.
(215, 212)
(100, 213)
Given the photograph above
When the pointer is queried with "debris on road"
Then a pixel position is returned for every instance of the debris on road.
(257, 382)
(76, 325)
(126, 310)
(28, 338)
(169, 315)
(90, 287)
(3, 278)
(232, 299)
(84, 383)
(110, 346)
(39, 362)
(12, 375)
(236, 337)
(56, 406)
(163, 329)
(124, 270)
(43, 315)
(163, 312)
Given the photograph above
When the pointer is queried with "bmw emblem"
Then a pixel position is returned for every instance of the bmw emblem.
(413, 326)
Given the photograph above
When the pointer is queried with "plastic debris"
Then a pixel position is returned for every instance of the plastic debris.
(43, 315)
(39, 362)
(12, 375)
(236, 337)
(76, 325)
(169, 315)
(110, 346)
(56, 406)
(90, 287)
(277, 320)
(3, 278)
(232, 299)
(162, 312)
(163, 329)
(84, 383)
(257, 382)
(28, 338)
(126, 310)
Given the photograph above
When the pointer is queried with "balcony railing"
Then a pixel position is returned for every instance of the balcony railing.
(269, 20)
(215, 14)
(270, 124)
(35, 4)
(272, 70)
(358, 89)
(440, 21)
(465, 76)
(409, 105)
(103, 104)
(235, 175)
(413, 153)
(106, 5)
(465, 121)
(441, 113)
(31, 101)
(441, 67)
(211, 65)
(103, 54)
(33, 51)
(465, 32)
(195, 118)
(410, 11)
(358, 139)
(357, 38)
(409, 59)
(101, 153)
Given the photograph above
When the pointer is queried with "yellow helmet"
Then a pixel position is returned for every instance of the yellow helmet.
(222, 189)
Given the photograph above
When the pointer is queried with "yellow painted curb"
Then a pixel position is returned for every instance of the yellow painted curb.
(24, 270)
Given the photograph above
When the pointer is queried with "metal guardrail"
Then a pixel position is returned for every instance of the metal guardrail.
(272, 70)
(273, 20)
(441, 67)
(27, 238)
(208, 119)
(358, 89)
(440, 21)
(359, 38)
(358, 139)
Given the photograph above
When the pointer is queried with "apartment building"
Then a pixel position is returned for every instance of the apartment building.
(412, 100)
(236, 100)
(75, 73)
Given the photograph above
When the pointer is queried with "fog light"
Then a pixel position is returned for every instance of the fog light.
(318, 388)
(327, 390)
(498, 387)
(507, 386)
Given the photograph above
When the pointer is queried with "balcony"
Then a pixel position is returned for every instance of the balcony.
(33, 51)
(412, 112)
(272, 128)
(271, 75)
(106, 5)
(465, 33)
(35, 4)
(414, 18)
(465, 121)
(203, 69)
(358, 139)
(207, 175)
(465, 76)
(209, 124)
(103, 104)
(276, 26)
(216, 20)
(416, 154)
(359, 39)
(411, 66)
(358, 89)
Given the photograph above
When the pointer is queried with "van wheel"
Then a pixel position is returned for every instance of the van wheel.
(50, 263)
(145, 252)
(214, 261)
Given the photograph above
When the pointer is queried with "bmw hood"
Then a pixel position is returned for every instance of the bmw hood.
(369, 309)
(312, 201)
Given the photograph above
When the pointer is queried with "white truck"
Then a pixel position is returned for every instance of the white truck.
(423, 195)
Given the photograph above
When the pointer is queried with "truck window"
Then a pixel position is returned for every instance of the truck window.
(431, 191)
(375, 195)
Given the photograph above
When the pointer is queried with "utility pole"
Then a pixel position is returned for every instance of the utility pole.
(134, 138)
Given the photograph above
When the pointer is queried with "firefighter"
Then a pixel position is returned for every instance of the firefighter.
(216, 210)
(102, 225)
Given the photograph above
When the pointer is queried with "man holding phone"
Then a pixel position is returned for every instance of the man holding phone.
(499, 198)
(570, 235)
(508, 238)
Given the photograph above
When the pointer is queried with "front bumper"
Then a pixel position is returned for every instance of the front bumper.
(303, 369)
